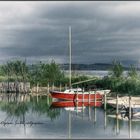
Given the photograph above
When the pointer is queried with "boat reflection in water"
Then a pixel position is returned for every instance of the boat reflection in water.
(78, 107)
(75, 105)
(61, 104)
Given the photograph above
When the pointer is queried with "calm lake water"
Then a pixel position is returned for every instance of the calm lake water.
(32, 117)
(97, 73)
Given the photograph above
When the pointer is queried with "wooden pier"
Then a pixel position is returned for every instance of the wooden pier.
(13, 87)
(125, 101)
(125, 107)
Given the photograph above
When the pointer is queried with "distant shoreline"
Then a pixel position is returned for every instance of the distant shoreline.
(96, 66)
(97, 73)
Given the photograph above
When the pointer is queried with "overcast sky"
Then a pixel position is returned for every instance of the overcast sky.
(101, 31)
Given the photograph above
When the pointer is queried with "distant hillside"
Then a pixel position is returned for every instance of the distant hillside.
(96, 66)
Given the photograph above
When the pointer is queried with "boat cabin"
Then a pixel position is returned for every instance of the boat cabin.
(73, 90)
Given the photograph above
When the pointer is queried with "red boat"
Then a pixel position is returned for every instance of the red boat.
(78, 94)
(61, 104)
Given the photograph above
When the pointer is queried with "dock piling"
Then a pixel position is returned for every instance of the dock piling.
(77, 95)
(82, 110)
(130, 128)
(60, 87)
(53, 86)
(37, 88)
(48, 87)
(37, 98)
(83, 95)
(95, 99)
(105, 121)
(77, 103)
(104, 100)
(130, 113)
(117, 124)
(117, 108)
(94, 114)
(89, 97)
(89, 112)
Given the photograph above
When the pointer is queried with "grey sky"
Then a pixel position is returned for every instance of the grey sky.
(101, 31)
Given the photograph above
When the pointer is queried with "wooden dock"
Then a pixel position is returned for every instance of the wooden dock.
(13, 87)
(124, 102)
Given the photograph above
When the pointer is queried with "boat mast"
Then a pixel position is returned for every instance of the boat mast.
(70, 56)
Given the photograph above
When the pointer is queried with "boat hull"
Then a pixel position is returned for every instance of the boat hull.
(75, 96)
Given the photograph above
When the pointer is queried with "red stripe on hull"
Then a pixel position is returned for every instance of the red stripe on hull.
(68, 96)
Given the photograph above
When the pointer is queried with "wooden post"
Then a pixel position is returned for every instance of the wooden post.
(48, 87)
(130, 127)
(117, 108)
(130, 113)
(83, 95)
(65, 86)
(2, 87)
(37, 88)
(77, 107)
(82, 110)
(69, 124)
(77, 102)
(37, 98)
(60, 86)
(104, 100)
(117, 124)
(117, 113)
(77, 95)
(89, 97)
(105, 119)
(95, 99)
(83, 103)
(94, 114)
(48, 100)
(53, 86)
(89, 112)
(29, 98)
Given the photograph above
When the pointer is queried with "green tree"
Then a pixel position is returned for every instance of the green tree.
(132, 72)
(35, 73)
(117, 69)
(43, 73)
(17, 70)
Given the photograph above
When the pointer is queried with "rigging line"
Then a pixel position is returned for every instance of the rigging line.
(83, 81)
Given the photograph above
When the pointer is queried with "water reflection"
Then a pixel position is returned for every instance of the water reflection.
(105, 120)
(130, 128)
(21, 104)
(69, 125)
(117, 124)
(41, 117)
(95, 115)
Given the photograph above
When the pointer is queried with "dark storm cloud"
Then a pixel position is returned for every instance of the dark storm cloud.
(101, 31)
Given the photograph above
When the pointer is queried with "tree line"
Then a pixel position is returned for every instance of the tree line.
(40, 73)
(43, 73)
(118, 82)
